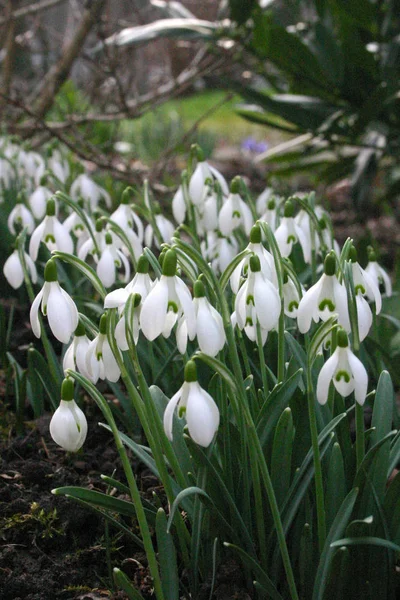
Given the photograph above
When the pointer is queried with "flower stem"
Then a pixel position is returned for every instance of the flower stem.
(319, 488)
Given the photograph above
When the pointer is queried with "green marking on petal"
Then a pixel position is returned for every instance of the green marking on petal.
(359, 288)
(49, 238)
(249, 321)
(342, 375)
(291, 238)
(250, 300)
(172, 306)
(292, 305)
(236, 213)
(326, 303)
(181, 411)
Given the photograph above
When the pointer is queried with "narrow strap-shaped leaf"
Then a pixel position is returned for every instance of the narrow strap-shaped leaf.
(123, 582)
(181, 496)
(84, 268)
(262, 577)
(281, 462)
(167, 558)
(383, 408)
(335, 485)
(336, 530)
(366, 541)
(98, 499)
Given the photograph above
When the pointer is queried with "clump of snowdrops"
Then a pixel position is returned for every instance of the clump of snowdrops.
(235, 338)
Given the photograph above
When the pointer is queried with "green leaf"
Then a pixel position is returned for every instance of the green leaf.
(84, 268)
(241, 11)
(38, 368)
(336, 530)
(167, 558)
(383, 409)
(366, 541)
(255, 114)
(181, 496)
(98, 499)
(281, 461)
(123, 582)
(335, 484)
(259, 573)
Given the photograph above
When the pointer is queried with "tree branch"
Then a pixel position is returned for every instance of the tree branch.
(43, 98)
(31, 10)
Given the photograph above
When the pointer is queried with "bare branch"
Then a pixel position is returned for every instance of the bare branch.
(8, 63)
(43, 99)
(31, 9)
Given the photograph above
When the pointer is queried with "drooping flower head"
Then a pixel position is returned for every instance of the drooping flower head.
(167, 301)
(235, 212)
(68, 426)
(51, 232)
(377, 273)
(288, 233)
(324, 299)
(75, 355)
(345, 370)
(57, 305)
(198, 407)
(100, 361)
(14, 272)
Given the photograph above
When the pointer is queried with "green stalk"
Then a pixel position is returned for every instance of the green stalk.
(319, 487)
(262, 361)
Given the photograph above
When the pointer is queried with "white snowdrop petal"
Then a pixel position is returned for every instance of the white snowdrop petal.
(208, 329)
(267, 302)
(325, 377)
(154, 310)
(364, 317)
(13, 270)
(372, 290)
(111, 368)
(181, 335)
(186, 303)
(68, 426)
(360, 377)
(68, 360)
(63, 239)
(35, 240)
(116, 298)
(179, 206)
(61, 318)
(81, 348)
(307, 307)
(106, 268)
(34, 314)
(169, 414)
(202, 415)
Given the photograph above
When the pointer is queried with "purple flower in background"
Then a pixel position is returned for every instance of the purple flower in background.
(251, 145)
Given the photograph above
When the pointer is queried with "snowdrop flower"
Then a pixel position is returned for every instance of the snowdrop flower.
(364, 285)
(235, 212)
(345, 370)
(377, 274)
(57, 305)
(68, 426)
(75, 355)
(270, 214)
(100, 361)
(58, 165)
(75, 224)
(52, 233)
(325, 299)
(168, 299)
(111, 259)
(202, 172)
(266, 261)
(179, 206)
(130, 223)
(84, 187)
(31, 165)
(140, 285)
(6, 174)
(22, 216)
(209, 216)
(88, 247)
(257, 301)
(198, 407)
(209, 326)
(288, 233)
(219, 250)
(164, 226)
(13, 270)
(263, 200)
(38, 201)
(291, 297)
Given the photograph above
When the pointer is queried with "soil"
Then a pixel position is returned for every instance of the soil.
(52, 548)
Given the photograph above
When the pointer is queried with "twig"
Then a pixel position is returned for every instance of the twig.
(8, 63)
(43, 98)
(31, 9)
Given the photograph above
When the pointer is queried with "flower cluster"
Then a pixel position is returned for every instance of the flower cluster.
(183, 295)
